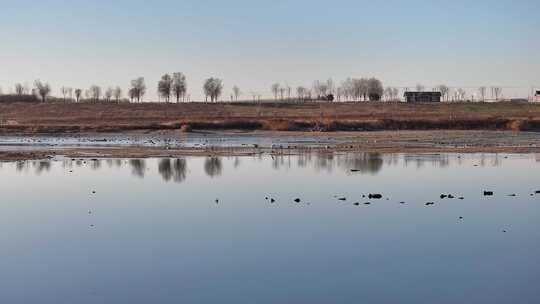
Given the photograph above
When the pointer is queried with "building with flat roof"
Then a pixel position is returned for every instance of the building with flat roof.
(423, 96)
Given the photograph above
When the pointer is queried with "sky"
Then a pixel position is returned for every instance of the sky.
(253, 44)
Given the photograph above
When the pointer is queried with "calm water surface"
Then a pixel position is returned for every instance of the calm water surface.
(151, 231)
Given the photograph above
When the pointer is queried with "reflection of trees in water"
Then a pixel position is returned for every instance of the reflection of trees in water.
(95, 164)
(325, 161)
(420, 160)
(213, 166)
(67, 164)
(21, 165)
(173, 169)
(138, 166)
(363, 162)
(42, 165)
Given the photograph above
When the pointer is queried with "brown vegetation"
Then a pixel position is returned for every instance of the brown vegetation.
(365, 116)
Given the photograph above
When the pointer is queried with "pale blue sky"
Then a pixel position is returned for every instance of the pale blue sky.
(255, 43)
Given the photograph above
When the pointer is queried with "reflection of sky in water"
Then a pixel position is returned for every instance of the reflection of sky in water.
(159, 236)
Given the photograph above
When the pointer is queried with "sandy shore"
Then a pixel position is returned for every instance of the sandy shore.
(170, 143)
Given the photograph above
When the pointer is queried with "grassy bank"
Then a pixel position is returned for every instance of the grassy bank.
(101, 117)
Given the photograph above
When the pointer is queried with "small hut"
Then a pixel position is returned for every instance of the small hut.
(423, 96)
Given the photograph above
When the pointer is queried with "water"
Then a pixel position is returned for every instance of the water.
(153, 233)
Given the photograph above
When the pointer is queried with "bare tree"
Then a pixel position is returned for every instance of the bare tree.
(42, 89)
(138, 89)
(236, 92)
(109, 94)
(321, 88)
(70, 94)
(443, 89)
(117, 93)
(388, 93)
(275, 90)
(19, 89)
(78, 93)
(359, 89)
(179, 86)
(363, 88)
(375, 89)
(95, 92)
(330, 86)
(65, 92)
(301, 92)
(165, 86)
(348, 89)
(289, 89)
(496, 92)
(339, 93)
(461, 94)
(395, 92)
(482, 91)
(213, 88)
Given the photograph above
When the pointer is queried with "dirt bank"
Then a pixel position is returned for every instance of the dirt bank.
(35, 118)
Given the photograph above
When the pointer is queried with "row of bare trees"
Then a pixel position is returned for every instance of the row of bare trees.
(352, 89)
(175, 85)
(459, 94)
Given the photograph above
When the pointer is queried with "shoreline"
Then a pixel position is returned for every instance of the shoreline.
(145, 144)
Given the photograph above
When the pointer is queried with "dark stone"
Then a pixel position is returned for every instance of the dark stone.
(367, 203)
(450, 196)
(443, 196)
(430, 203)
(356, 204)
(375, 196)
(355, 170)
(272, 200)
(488, 193)
(342, 198)
(297, 200)
(461, 198)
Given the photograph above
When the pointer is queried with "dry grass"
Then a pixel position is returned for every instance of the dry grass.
(58, 117)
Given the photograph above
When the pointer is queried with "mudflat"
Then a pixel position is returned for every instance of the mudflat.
(173, 143)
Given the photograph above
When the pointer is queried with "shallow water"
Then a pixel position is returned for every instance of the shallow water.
(179, 140)
(153, 233)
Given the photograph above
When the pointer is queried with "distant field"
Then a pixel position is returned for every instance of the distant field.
(101, 117)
